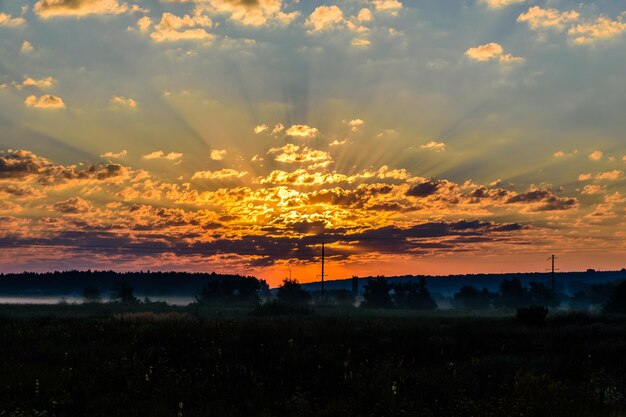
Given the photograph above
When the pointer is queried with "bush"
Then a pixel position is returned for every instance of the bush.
(617, 302)
(279, 308)
(533, 315)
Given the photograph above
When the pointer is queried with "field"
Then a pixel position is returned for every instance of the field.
(78, 360)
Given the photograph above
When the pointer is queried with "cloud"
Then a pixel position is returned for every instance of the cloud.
(543, 200)
(115, 155)
(490, 52)
(325, 18)
(124, 102)
(218, 154)
(538, 18)
(172, 156)
(434, 146)
(43, 83)
(173, 28)
(260, 129)
(78, 8)
(593, 189)
(389, 6)
(302, 177)
(73, 205)
(291, 154)
(595, 155)
(354, 124)
(360, 42)
(365, 15)
(26, 48)
(251, 12)
(424, 189)
(338, 142)
(278, 128)
(601, 30)
(144, 24)
(23, 165)
(614, 175)
(498, 4)
(302, 131)
(9, 21)
(45, 102)
(223, 174)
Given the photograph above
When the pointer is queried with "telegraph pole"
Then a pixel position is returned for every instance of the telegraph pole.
(552, 258)
(323, 275)
(322, 269)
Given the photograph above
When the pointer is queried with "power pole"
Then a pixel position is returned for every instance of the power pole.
(322, 274)
(552, 258)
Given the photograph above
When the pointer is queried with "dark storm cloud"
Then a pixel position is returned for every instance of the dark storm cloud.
(424, 189)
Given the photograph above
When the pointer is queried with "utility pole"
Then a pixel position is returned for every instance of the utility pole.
(552, 258)
(323, 274)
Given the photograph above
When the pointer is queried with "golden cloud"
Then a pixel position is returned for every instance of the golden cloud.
(434, 146)
(498, 4)
(42, 83)
(10, 21)
(325, 18)
(218, 154)
(389, 6)
(302, 131)
(45, 102)
(491, 51)
(223, 174)
(78, 8)
(538, 18)
(250, 13)
(124, 102)
(172, 156)
(365, 15)
(115, 155)
(602, 29)
(26, 48)
(291, 153)
(174, 28)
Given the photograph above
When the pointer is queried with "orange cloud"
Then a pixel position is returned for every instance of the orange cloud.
(9, 21)
(78, 8)
(45, 102)
(601, 30)
(302, 131)
(223, 174)
(538, 18)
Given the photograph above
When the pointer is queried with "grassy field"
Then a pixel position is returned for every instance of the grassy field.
(108, 360)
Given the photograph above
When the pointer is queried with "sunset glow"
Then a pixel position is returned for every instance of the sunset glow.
(412, 137)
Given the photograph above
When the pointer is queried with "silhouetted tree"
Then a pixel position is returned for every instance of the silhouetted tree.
(376, 294)
(469, 297)
(230, 289)
(92, 294)
(291, 292)
(592, 295)
(617, 302)
(123, 292)
(512, 293)
(414, 296)
(539, 294)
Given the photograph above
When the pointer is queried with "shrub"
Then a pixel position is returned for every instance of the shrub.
(279, 308)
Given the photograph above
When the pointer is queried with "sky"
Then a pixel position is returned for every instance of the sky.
(410, 136)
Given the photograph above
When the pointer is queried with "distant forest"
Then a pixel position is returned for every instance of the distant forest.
(145, 283)
(577, 290)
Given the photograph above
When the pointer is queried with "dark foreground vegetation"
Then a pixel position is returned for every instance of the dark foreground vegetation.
(127, 361)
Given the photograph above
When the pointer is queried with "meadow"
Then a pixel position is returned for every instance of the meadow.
(158, 360)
